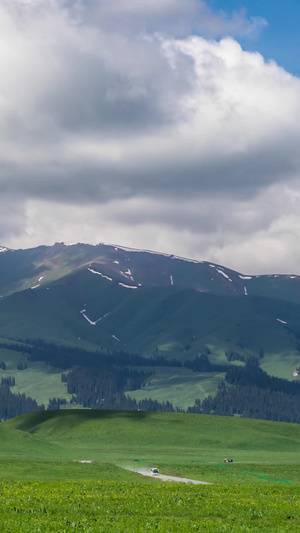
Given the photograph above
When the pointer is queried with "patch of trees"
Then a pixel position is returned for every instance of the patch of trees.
(59, 356)
(10, 381)
(231, 355)
(253, 394)
(120, 401)
(201, 363)
(2, 365)
(92, 387)
(250, 402)
(12, 405)
(105, 389)
(252, 375)
(21, 366)
(64, 357)
(55, 403)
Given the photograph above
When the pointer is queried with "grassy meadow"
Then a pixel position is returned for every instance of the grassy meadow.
(180, 386)
(75, 470)
(38, 380)
(47, 485)
(172, 438)
(113, 506)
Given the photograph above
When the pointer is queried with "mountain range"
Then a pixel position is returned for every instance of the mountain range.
(115, 298)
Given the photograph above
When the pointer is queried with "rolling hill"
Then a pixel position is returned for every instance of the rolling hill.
(122, 436)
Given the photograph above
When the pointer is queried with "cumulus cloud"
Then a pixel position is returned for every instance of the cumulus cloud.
(144, 123)
(169, 17)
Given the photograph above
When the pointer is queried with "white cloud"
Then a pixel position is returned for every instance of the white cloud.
(252, 236)
(119, 125)
(169, 17)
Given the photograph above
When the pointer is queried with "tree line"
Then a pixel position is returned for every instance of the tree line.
(12, 405)
(94, 387)
(100, 380)
(250, 402)
(65, 357)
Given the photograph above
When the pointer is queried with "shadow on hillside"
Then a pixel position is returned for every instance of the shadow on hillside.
(30, 421)
(104, 413)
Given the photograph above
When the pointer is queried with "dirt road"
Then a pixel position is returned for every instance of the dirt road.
(146, 472)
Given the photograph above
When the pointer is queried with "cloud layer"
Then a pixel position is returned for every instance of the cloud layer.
(147, 125)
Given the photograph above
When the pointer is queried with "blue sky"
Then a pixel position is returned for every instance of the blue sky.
(280, 39)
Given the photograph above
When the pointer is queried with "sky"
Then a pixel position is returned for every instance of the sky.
(170, 125)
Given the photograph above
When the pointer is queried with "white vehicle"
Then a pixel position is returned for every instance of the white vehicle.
(154, 471)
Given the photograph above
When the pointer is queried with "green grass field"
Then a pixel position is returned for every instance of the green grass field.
(113, 506)
(180, 386)
(38, 380)
(46, 488)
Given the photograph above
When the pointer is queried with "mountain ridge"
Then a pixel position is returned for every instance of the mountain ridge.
(111, 295)
(34, 267)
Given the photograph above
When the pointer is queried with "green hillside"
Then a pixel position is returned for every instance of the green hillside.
(177, 321)
(174, 322)
(171, 438)
(17, 444)
(82, 296)
(111, 299)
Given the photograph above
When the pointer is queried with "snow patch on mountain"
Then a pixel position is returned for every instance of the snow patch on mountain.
(245, 277)
(281, 321)
(223, 274)
(128, 286)
(171, 280)
(91, 321)
(129, 274)
(3, 249)
(99, 274)
(245, 291)
(114, 337)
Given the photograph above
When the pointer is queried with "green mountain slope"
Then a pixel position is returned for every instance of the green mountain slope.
(37, 267)
(114, 298)
(83, 307)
